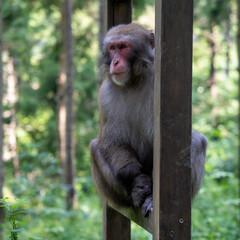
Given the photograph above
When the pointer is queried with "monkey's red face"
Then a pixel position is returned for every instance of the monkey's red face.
(120, 70)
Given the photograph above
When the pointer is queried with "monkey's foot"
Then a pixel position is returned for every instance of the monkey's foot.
(147, 206)
(142, 188)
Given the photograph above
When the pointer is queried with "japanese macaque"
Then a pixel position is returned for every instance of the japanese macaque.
(122, 154)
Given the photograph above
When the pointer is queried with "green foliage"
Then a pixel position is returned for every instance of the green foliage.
(219, 219)
(215, 214)
(31, 35)
(139, 6)
(14, 211)
(48, 218)
(211, 11)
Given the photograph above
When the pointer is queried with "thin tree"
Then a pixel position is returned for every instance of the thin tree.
(212, 79)
(217, 15)
(228, 37)
(238, 45)
(11, 128)
(1, 125)
(65, 93)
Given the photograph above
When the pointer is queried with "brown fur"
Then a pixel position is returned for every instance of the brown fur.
(128, 30)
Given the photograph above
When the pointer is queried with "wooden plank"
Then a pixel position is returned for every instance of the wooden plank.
(115, 225)
(172, 120)
(118, 12)
(136, 216)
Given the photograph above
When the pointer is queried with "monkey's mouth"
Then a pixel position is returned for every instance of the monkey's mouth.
(118, 74)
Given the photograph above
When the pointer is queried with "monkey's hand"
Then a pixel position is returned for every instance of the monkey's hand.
(141, 193)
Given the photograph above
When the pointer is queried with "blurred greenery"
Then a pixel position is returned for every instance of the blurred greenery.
(31, 35)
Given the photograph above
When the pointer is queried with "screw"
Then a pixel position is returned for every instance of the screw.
(181, 220)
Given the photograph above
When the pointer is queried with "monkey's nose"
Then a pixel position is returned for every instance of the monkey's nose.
(115, 62)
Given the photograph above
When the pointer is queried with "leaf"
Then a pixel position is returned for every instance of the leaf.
(17, 230)
(21, 222)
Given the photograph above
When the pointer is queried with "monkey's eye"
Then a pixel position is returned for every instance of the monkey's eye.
(112, 47)
(122, 46)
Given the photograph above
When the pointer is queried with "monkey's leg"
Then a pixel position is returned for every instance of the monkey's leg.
(121, 171)
(142, 193)
(128, 171)
(104, 179)
(105, 189)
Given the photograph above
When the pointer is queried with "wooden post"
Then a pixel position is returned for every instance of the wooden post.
(172, 120)
(115, 225)
(172, 128)
(118, 12)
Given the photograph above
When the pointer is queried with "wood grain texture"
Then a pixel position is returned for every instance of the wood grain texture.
(172, 120)
(116, 226)
(136, 216)
(118, 12)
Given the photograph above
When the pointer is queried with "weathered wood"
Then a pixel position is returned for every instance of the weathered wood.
(136, 216)
(172, 138)
(172, 120)
(115, 225)
(117, 12)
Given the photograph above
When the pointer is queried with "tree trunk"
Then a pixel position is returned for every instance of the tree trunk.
(62, 110)
(228, 38)
(238, 45)
(212, 79)
(1, 127)
(12, 97)
(66, 118)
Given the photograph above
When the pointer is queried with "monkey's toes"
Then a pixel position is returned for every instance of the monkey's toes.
(147, 206)
(142, 188)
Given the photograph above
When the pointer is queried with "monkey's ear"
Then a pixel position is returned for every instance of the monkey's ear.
(152, 39)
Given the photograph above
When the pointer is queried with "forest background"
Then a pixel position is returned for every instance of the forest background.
(50, 74)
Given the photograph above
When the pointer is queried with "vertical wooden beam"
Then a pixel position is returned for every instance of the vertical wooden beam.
(115, 225)
(172, 119)
(118, 12)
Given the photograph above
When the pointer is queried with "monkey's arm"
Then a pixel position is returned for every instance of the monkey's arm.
(199, 147)
(117, 174)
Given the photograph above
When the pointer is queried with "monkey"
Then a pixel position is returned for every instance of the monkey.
(122, 153)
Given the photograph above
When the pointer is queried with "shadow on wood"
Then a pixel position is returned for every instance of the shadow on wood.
(136, 216)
